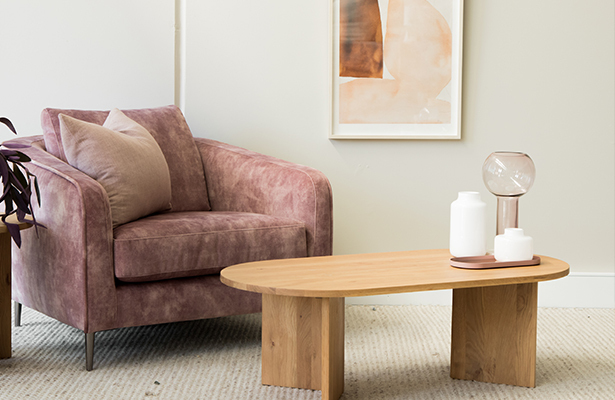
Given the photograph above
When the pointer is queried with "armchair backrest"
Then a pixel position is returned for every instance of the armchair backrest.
(168, 126)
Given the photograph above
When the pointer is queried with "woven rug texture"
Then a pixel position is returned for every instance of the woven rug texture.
(392, 352)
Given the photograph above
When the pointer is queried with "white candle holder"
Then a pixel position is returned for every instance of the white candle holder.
(513, 245)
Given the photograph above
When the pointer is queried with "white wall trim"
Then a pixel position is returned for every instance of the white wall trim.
(180, 53)
(577, 290)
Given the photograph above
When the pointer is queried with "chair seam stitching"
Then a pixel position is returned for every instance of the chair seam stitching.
(212, 232)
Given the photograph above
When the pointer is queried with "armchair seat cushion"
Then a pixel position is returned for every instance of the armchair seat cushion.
(195, 243)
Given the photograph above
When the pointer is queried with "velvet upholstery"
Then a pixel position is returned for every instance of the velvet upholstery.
(182, 299)
(68, 272)
(182, 244)
(242, 180)
(168, 126)
(125, 159)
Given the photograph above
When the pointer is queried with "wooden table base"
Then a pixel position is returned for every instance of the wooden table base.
(494, 334)
(303, 343)
(493, 339)
(494, 312)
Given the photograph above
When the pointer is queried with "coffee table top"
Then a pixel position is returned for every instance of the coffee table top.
(377, 273)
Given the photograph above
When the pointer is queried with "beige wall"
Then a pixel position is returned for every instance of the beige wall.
(83, 54)
(538, 77)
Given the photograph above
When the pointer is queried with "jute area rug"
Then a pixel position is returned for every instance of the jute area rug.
(392, 352)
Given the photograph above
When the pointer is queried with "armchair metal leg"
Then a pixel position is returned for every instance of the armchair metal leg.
(17, 309)
(89, 351)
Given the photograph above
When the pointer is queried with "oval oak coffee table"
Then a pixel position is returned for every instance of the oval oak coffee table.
(494, 313)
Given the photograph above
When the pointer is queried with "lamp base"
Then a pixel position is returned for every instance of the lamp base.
(508, 213)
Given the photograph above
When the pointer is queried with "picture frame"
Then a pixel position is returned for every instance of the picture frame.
(396, 69)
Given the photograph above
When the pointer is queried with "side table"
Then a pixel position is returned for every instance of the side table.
(5, 286)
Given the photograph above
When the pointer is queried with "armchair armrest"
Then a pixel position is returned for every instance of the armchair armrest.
(67, 271)
(242, 180)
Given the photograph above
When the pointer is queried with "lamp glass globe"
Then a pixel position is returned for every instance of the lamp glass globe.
(508, 173)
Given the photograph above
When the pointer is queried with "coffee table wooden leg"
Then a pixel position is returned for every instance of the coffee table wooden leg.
(303, 343)
(332, 348)
(494, 334)
(5, 295)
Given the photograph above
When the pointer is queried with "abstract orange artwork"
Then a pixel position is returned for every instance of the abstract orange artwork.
(361, 49)
(396, 62)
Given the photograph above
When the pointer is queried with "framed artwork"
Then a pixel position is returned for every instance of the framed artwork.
(396, 69)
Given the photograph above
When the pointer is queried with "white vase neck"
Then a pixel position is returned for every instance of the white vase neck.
(469, 196)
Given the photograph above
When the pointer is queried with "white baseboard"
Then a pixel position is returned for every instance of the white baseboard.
(577, 290)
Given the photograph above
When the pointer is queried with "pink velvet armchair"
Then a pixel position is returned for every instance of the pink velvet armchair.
(229, 205)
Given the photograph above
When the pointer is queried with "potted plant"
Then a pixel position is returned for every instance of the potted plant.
(17, 182)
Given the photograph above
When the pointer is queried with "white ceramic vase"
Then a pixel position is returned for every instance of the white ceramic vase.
(513, 245)
(467, 237)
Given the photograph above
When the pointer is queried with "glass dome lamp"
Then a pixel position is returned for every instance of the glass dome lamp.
(508, 175)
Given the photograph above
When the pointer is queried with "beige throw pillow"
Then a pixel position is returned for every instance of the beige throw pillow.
(125, 159)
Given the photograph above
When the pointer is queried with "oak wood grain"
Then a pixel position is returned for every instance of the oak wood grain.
(377, 273)
(303, 343)
(494, 334)
(494, 313)
(332, 348)
(291, 341)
